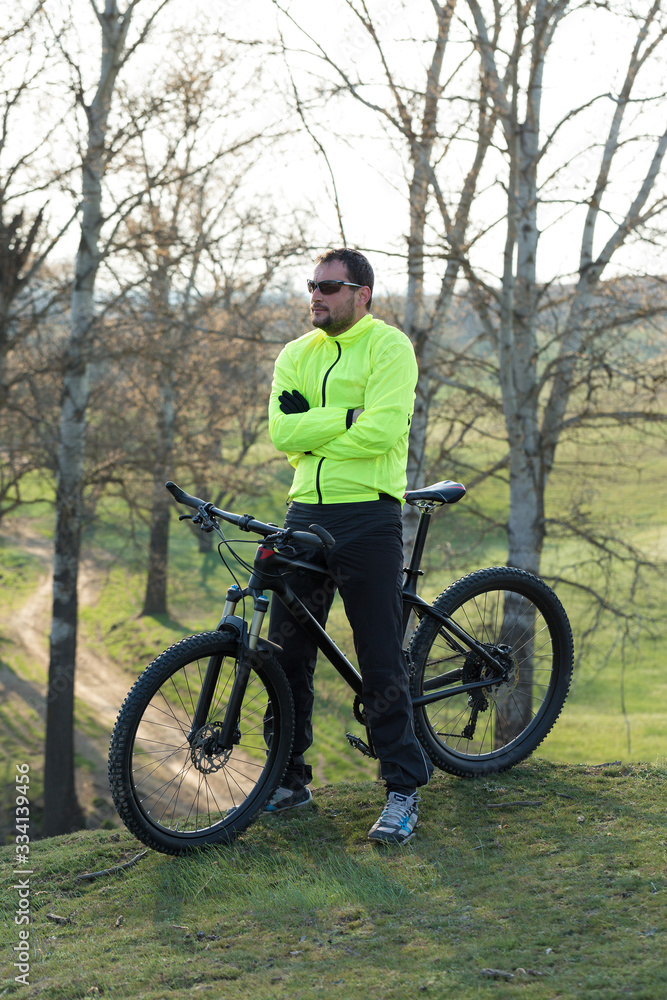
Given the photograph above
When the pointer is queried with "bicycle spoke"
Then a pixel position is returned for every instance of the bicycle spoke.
(521, 623)
(175, 785)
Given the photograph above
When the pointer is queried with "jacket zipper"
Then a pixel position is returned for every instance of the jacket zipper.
(326, 375)
(317, 481)
(324, 403)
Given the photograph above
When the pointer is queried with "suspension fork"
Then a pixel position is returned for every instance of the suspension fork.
(247, 643)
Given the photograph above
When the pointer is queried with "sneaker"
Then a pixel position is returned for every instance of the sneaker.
(397, 821)
(289, 798)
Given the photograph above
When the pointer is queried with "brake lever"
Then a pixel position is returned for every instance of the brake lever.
(280, 536)
(202, 518)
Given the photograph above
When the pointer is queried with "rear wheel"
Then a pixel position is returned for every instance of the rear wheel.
(519, 618)
(176, 789)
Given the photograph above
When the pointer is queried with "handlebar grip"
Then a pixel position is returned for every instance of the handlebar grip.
(327, 540)
(306, 538)
(180, 496)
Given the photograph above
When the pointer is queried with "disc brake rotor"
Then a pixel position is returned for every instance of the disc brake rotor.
(476, 669)
(205, 752)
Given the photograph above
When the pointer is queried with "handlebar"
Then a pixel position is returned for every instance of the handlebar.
(319, 536)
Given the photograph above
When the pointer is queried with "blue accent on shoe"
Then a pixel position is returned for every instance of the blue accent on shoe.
(397, 821)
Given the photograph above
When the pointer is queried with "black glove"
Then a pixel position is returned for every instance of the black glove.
(293, 402)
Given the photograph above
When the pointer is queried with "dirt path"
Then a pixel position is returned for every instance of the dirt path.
(99, 682)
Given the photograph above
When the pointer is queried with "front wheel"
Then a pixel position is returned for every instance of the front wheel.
(177, 788)
(518, 618)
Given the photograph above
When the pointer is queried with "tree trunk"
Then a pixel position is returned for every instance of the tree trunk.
(4, 344)
(155, 601)
(62, 811)
(414, 324)
(422, 331)
(526, 518)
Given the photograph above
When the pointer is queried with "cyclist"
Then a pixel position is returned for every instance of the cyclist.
(341, 403)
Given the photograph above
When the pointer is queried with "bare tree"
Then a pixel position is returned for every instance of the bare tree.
(536, 396)
(559, 359)
(61, 808)
(202, 250)
(28, 234)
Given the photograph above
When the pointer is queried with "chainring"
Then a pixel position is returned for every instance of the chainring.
(359, 712)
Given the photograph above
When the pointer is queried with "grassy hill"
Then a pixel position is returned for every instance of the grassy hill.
(617, 708)
(548, 881)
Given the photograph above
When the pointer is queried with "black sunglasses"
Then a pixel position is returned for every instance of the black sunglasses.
(329, 287)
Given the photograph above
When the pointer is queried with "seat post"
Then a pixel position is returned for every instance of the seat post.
(413, 572)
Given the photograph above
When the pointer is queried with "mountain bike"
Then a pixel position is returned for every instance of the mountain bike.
(204, 736)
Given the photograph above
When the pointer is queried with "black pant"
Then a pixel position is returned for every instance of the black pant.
(366, 563)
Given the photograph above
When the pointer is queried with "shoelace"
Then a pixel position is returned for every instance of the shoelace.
(395, 810)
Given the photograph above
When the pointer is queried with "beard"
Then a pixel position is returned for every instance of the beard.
(336, 320)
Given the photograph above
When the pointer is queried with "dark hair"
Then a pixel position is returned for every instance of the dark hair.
(358, 268)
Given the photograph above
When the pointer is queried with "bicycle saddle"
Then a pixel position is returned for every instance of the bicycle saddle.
(445, 492)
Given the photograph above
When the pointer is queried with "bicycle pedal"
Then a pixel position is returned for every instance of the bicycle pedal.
(358, 744)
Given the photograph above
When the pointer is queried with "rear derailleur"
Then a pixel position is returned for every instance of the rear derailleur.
(476, 669)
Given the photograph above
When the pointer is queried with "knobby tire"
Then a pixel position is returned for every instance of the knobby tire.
(176, 792)
(472, 734)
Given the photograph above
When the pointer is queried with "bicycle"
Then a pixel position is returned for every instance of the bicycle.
(203, 738)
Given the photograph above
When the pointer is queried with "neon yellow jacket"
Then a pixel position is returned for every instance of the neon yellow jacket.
(371, 365)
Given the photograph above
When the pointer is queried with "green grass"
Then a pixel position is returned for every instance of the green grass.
(19, 573)
(562, 896)
(616, 709)
(566, 897)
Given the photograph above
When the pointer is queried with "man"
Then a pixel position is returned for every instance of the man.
(340, 408)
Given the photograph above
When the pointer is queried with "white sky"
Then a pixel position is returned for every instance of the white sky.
(587, 58)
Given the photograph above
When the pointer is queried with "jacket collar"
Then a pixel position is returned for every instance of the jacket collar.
(356, 331)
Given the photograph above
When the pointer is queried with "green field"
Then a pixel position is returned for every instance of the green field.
(617, 709)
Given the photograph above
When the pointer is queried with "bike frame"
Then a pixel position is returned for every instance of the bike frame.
(267, 575)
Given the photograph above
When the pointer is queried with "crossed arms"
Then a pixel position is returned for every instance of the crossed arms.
(328, 431)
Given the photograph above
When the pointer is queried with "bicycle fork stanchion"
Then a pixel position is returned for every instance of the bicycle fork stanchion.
(205, 697)
(229, 728)
(261, 607)
(234, 595)
(230, 724)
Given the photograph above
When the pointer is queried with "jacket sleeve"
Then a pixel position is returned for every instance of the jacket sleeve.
(296, 433)
(388, 405)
